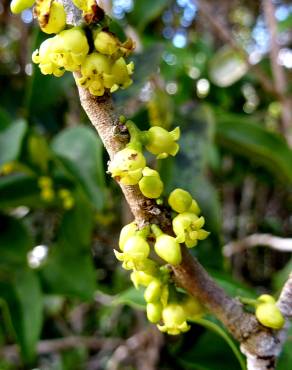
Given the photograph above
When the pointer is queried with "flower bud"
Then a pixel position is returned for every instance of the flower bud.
(180, 200)
(51, 16)
(17, 6)
(137, 248)
(266, 298)
(47, 194)
(154, 311)
(127, 165)
(126, 232)
(153, 291)
(151, 185)
(161, 142)
(141, 278)
(194, 207)
(269, 315)
(168, 249)
(45, 182)
(174, 318)
(193, 308)
(106, 43)
(119, 76)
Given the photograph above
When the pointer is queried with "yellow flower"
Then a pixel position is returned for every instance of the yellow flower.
(127, 166)
(268, 313)
(160, 142)
(187, 227)
(174, 319)
(93, 72)
(180, 200)
(120, 74)
(154, 311)
(51, 16)
(42, 56)
(136, 250)
(151, 185)
(17, 6)
(106, 43)
(65, 51)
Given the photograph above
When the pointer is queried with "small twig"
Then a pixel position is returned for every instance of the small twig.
(63, 344)
(226, 36)
(278, 70)
(271, 241)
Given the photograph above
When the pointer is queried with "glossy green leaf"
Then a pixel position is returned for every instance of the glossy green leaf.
(217, 329)
(145, 11)
(11, 139)
(211, 351)
(243, 136)
(69, 268)
(23, 295)
(19, 190)
(80, 150)
(15, 242)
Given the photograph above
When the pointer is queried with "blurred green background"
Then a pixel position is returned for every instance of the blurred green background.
(65, 303)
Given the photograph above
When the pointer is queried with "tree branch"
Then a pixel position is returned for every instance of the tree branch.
(256, 340)
(271, 241)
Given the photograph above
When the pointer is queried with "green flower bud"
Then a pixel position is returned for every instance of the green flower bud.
(17, 6)
(47, 194)
(162, 143)
(141, 278)
(126, 232)
(136, 250)
(180, 200)
(119, 76)
(106, 43)
(193, 308)
(45, 182)
(151, 185)
(154, 311)
(127, 165)
(168, 249)
(269, 315)
(153, 291)
(174, 318)
(266, 298)
(194, 208)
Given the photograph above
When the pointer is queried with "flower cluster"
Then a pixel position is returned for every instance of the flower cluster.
(48, 193)
(147, 251)
(101, 67)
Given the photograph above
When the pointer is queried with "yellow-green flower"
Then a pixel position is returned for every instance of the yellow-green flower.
(187, 227)
(174, 319)
(127, 166)
(160, 142)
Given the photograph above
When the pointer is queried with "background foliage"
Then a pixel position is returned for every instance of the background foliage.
(63, 298)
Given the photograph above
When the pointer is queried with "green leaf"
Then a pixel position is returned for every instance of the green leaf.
(241, 135)
(131, 297)
(232, 287)
(4, 119)
(19, 190)
(69, 269)
(145, 11)
(15, 242)
(25, 302)
(216, 328)
(80, 150)
(11, 139)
